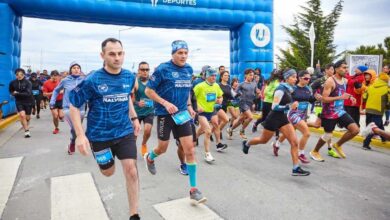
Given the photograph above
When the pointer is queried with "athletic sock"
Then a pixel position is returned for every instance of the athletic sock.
(191, 168)
(295, 166)
(301, 152)
(152, 155)
(277, 143)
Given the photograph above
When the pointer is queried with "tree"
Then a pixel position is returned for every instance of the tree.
(375, 50)
(298, 53)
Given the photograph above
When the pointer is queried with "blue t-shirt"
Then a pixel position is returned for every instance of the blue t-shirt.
(172, 83)
(108, 98)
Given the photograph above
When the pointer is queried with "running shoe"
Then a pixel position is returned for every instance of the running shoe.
(300, 172)
(303, 158)
(27, 134)
(229, 132)
(183, 169)
(276, 148)
(144, 150)
(242, 135)
(38, 117)
(254, 128)
(333, 153)
(368, 129)
(339, 150)
(366, 147)
(316, 156)
(134, 217)
(197, 197)
(221, 147)
(56, 131)
(150, 164)
(71, 149)
(208, 157)
(245, 147)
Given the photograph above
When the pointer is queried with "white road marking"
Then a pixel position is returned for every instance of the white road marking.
(75, 197)
(8, 170)
(182, 209)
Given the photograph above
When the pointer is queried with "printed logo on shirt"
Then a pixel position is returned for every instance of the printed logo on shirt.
(175, 74)
(152, 78)
(183, 84)
(122, 97)
(103, 88)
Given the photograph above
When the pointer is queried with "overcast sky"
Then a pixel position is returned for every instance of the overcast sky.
(49, 44)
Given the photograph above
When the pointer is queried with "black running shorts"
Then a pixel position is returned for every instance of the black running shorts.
(26, 107)
(165, 125)
(123, 148)
(147, 119)
(330, 124)
(275, 120)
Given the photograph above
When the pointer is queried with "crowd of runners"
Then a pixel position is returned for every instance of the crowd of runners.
(210, 104)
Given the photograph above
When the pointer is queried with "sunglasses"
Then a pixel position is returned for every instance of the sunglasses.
(145, 70)
(306, 78)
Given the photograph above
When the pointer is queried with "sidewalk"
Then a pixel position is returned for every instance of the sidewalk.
(4, 123)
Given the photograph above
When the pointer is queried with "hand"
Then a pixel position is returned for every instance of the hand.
(200, 109)
(191, 111)
(82, 143)
(218, 101)
(294, 105)
(353, 100)
(345, 96)
(318, 96)
(141, 103)
(171, 108)
(137, 127)
(15, 92)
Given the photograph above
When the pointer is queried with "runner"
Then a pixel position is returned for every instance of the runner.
(66, 86)
(277, 120)
(20, 88)
(304, 96)
(317, 87)
(143, 105)
(110, 132)
(333, 112)
(169, 87)
(233, 105)
(56, 107)
(227, 98)
(36, 86)
(247, 92)
(207, 94)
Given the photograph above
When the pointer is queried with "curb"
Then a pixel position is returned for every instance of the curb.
(4, 123)
(358, 138)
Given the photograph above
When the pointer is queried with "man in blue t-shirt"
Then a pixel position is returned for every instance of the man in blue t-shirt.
(110, 132)
(169, 87)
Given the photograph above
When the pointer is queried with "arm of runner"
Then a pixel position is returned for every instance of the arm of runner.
(56, 92)
(28, 91)
(133, 117)
(155, 97)
(82, 142)
(189, 107)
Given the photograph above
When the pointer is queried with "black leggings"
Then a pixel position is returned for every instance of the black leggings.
(37, 103)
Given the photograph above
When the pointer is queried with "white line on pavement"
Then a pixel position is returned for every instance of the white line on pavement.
(8, 170)
(182, 209)
(75, 197)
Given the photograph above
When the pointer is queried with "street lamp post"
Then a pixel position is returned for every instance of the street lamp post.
(119, 32)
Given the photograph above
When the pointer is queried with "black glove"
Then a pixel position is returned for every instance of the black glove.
(357, 85)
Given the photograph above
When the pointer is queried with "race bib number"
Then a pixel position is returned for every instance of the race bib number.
(103, 157)
(303, 106)
(35, 92)
(211, 97)
(181, 118)
(149, 103)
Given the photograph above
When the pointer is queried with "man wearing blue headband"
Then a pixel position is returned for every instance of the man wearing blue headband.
(169, 87)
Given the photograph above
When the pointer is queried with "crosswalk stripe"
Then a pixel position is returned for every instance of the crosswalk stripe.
(76, 197)
(8, 170)
(182, 209)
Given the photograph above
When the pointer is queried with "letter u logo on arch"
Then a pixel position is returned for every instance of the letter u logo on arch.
(260, 35)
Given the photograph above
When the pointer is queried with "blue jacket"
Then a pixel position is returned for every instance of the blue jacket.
(68, 84)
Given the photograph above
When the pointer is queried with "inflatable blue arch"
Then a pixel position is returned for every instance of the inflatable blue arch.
(250, 23)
